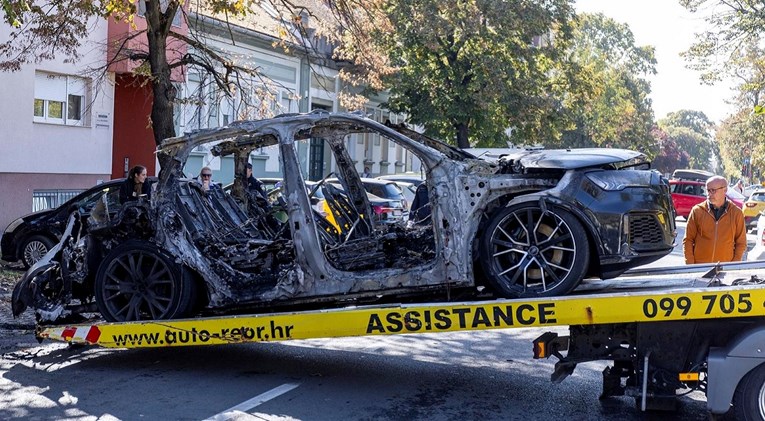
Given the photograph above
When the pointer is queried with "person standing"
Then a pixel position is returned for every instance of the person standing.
(715, 231)
(255, 186)
(739, 187)
(136, 185)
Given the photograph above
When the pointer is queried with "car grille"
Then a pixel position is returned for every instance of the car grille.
(645, 230)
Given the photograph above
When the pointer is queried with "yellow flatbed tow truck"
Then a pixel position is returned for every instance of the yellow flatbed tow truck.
(667, 331)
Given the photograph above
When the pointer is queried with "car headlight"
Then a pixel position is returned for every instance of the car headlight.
(13, 225)
(619, 180)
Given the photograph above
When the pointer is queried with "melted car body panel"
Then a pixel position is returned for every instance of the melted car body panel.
(237, 255)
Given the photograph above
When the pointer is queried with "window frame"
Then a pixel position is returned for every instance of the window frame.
(47, 102)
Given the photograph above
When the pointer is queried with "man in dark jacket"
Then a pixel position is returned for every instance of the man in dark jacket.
(255, 186)
(419, 212)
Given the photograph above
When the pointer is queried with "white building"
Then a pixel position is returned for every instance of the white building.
(57, 128)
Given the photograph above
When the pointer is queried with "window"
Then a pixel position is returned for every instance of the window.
(163, 8)
(178, 109)
(60, 99)
(49, 199)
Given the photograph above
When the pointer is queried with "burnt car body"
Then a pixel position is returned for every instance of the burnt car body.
(533, 224)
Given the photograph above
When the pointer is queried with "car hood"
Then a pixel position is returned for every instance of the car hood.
(36, 216)
(575, 158)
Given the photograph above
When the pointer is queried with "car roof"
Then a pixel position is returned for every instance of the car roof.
(377, 181)
(686, 182)
(691, 174)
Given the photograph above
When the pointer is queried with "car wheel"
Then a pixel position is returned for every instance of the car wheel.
(749, 399)
(34, 248)
(137, 281)
(528, 252)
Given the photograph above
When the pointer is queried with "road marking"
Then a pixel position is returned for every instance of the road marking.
(236, 411)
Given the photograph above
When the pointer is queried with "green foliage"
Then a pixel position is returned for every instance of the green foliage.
(14, 10)
(670, 156)
(613, 108)
(732, 25)
(42, 31)
(742, 136)
(468, 70)
(694, 120)
(691, 131)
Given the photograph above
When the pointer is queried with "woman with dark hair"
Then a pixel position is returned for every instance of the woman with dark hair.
(135, 185)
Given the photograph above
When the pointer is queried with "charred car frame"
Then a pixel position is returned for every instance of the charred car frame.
(533, 224)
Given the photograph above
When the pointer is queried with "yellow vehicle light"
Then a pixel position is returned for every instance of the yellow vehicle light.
(540, 350)
(689, 377)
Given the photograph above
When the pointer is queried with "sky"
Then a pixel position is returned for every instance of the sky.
(670, 28)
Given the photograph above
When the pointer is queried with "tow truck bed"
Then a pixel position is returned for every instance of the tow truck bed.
(691, 327)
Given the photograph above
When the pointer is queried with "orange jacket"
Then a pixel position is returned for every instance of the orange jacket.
(710, 241)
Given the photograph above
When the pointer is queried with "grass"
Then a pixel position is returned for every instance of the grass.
(9, 277)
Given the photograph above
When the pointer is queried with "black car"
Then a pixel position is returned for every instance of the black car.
(28, 238)
(397, 207)
(532, 224)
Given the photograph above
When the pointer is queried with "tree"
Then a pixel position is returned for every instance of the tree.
(13, 11)
(694, 120)
(670, 156)
(742, 142)
(469, 70)
(54, 28)
(692, 132)
(615, 110)
(733, 26)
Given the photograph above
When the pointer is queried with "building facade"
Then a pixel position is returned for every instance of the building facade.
(57, 120)
(67, 130)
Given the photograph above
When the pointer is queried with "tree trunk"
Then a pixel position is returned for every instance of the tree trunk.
(462, 135)
(162, 86)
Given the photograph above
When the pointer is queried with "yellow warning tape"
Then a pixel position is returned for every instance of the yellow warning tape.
(724, 302)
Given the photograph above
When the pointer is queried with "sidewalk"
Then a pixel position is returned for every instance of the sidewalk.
(14, 333)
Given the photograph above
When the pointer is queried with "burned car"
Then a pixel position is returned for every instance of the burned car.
(533, 224)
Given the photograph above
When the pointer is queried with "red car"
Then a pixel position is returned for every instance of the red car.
(686, 194)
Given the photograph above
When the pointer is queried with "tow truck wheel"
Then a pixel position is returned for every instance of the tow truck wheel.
(136, 281)
(749, 399)
(527, 252)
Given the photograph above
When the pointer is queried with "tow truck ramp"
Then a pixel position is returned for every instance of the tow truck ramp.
(696, 327)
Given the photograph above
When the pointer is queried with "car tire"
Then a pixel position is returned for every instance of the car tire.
(749, 398)
(34, 248)
(528, 252)
(137, 281)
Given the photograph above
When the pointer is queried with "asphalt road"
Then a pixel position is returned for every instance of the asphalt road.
(487, 375)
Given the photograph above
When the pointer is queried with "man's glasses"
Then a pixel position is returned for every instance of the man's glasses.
(206, 175)
(715, 190)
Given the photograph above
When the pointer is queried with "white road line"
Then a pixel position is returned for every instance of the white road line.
(245, 406)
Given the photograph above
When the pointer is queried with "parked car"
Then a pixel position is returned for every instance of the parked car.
(691, 174)
(533, 224)
(383, 210)
(398, 207)
(408, 190)
(28, 239)
(758, 251)
(748, 190)
(753, 206)
(406, 177)
(686, 194)
(391, 203)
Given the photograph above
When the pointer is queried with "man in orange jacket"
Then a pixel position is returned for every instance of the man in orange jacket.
(715, 231)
